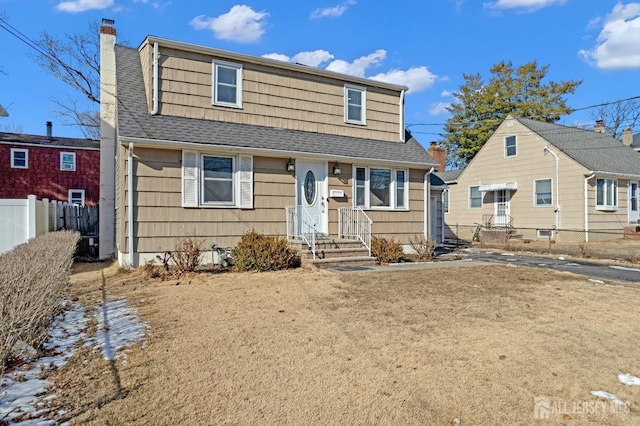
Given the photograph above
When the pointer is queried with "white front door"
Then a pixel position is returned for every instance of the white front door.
(633, 202)
(501, 201)
(312, 191)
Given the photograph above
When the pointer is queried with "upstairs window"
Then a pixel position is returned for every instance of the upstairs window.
(227, 84)
(475, 197)
(510, 149)
(606, 194)
(19, 158)
(355, 104)
(68, 161)
(543, 193)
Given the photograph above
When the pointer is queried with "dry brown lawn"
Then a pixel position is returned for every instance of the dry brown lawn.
(311, 347)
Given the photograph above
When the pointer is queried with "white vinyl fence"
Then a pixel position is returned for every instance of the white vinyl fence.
(21, 220)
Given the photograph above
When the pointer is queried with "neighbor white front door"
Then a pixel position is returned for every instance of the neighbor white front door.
(633, 202)
(501, 201)
(311, 179)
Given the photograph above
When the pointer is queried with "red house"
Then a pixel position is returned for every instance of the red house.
(57, 168)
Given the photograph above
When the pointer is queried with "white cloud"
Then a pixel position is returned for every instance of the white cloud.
(241, 24)
(358, 66)
(332, 12)
(75, 6)
(617, 45)
(312, 58)
(415, 78)
(439, 108)
(529, 5)
(445, 93)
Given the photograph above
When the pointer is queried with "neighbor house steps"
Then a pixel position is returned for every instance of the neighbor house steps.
(334, 253)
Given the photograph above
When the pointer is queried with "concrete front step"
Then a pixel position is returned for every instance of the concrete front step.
(343, 262)
(335, 253)
(328, 244)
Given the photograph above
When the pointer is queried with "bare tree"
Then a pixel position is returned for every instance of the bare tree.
(618, 116)
(75, 60)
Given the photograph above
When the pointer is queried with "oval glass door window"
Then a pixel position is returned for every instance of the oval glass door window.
(310, 185)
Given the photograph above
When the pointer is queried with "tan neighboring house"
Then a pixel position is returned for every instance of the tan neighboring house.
(214, 143)
(542, 178)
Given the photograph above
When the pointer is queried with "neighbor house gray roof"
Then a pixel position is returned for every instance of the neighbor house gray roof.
(449, 175)
(595, 151)
(636, 141)
(134, 121)
(54, 142)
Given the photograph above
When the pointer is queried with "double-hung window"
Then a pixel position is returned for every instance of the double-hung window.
(227, 84)
(510, 146)
(543, 193)
(210, 180)
(381, 188)
(606, 194)
(19, 158)
(475, 197)
(76, 196)
(445, 200)
(355, 100)
(68, 161)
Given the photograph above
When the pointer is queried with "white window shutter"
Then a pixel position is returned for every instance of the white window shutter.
(190, 179)
(245, 181)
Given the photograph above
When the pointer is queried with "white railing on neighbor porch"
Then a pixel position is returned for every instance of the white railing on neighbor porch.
(354, 222)
(300, 224)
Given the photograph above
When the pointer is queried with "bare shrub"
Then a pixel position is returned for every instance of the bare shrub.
(186, 254)
(151, 271)
(585, 251)
(633, 257)
(386, 251)
(33, 279)
(259, 252)
(425, 247)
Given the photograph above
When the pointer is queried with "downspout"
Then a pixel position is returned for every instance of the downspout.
(402, 138)
(557, 208)
(586, 206)
(154, 111)
(427, 202)
(130, 202)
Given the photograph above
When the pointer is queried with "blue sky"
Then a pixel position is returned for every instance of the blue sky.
(424, 45)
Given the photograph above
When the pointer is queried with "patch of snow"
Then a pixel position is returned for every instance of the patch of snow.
(572, 264)
(596, 282)
(508, 254)
(561, 258)
(607, 395)
(118, 327)
(628, 379)
(622, 268)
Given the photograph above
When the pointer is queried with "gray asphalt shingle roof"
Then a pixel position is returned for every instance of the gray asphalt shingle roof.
(135, 121)
(449, 175)
(595, 151)
(19, 138)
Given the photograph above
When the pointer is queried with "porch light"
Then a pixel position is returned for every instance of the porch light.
(336, 169)
(291, 166)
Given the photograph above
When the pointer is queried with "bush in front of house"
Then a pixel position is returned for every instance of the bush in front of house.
(33, 280)
(259, 252)
(386, 251)
(187, 254)
(425, 247)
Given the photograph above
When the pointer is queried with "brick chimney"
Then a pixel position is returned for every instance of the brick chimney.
(439, 154)
(627, 136)
(600, 127)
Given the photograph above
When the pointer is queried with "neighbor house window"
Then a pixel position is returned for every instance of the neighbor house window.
(227, 84)
(216, 180)
(354, 104)
(543, 194)
(19, 158)
(76, 196)
(510, 149)
(68, 161)
(380, 188)
(606, 194)
(545, 233)
(445, 200)
(475, 197)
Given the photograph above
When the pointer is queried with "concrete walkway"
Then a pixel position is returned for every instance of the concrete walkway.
(411, 266)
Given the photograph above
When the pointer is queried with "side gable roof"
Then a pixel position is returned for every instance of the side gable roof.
(134, 121)
(595, 151)
(54, 142)
(450, 176)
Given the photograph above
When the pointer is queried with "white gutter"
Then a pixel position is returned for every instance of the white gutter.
(427, 203)
(130, 202)
(402, 138)
(154, 111)
(606, 174)
(41, 145)
(144, 142)
(586, 206)
(557, 208)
